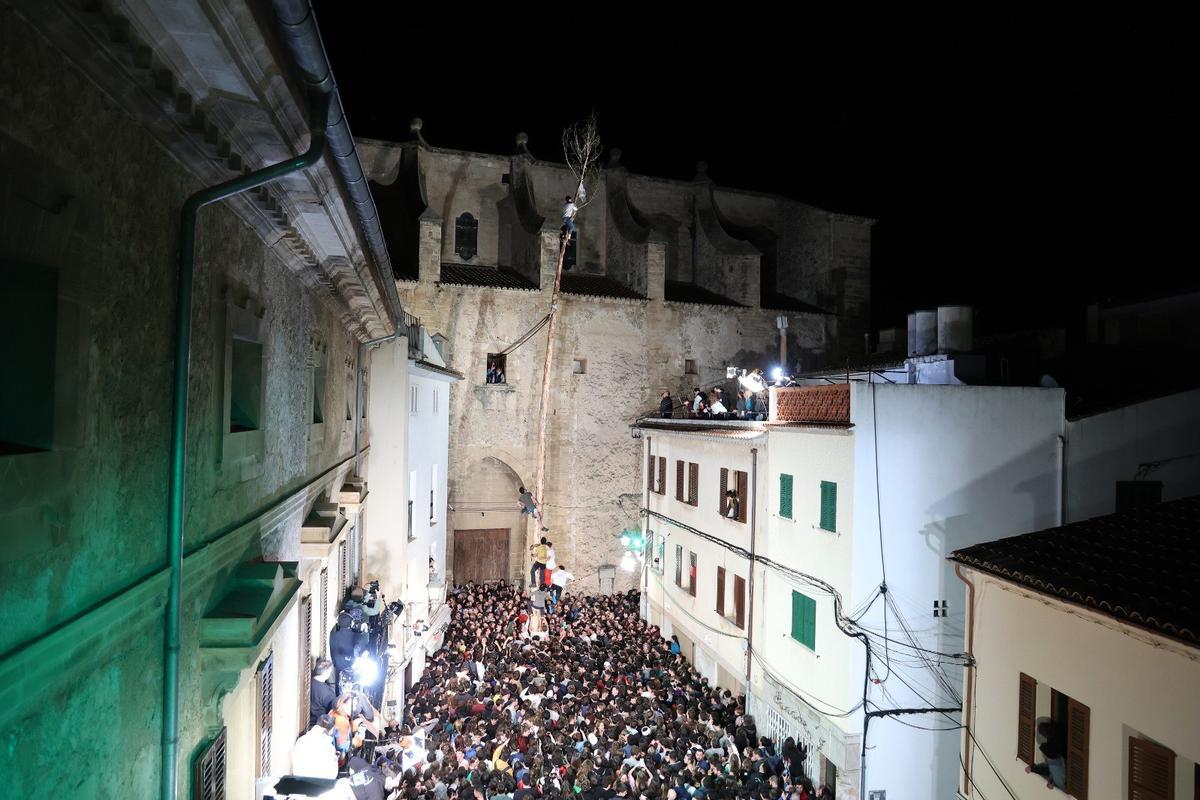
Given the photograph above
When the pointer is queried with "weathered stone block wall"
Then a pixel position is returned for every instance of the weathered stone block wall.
(669, 207)
(86, 520)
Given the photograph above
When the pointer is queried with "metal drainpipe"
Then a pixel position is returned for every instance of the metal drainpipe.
(183, 326)
(969, 697)
(750, 583)
(358, 395)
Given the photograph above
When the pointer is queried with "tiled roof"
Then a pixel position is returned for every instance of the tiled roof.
(781, 302)
(597, 286)
(828, 404)
(495, 277)
(683, 292)
(1141, 566)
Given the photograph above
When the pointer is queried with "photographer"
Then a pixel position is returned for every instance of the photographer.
(371, 599)
(347, 641)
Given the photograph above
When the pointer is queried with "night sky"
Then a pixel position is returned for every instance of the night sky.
(1024, 164)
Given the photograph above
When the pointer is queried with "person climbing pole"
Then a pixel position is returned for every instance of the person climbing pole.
(569, 211)
(529, 506)
(541, 554)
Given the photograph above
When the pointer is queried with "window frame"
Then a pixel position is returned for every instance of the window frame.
(466, 225)
(787, 485)
(828, 507)
(496, 358)
(693, 570)
(807, 619)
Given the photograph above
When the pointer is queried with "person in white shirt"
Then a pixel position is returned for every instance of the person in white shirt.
(569, 211)
(558, 582)
(716, 406)
(313, 754)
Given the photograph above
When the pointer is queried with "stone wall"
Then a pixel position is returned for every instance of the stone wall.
(89, 192)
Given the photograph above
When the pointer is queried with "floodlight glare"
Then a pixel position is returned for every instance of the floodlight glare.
(366, 669)
(777, 373)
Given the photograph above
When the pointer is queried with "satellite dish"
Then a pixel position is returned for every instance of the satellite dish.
(753, 382)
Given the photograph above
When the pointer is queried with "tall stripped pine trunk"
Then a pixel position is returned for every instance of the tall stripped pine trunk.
(540, 479)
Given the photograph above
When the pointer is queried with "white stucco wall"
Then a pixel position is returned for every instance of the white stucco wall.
(385, 549)
(719, 642)
(1094, 659)
(428, 454)
(957, 465)
(1105, 448)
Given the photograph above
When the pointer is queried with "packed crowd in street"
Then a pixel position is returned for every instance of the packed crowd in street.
(576, 699)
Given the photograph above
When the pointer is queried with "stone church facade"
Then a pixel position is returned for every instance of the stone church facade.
(672, 281)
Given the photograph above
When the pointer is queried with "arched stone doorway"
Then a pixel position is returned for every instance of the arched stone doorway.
(487, 530)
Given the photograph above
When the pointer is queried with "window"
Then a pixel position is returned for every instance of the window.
(691, 573)
(433, 482)
(343, 569)
(318, 401)
(721, 591)
(266, 712)
(680, 486)
(412, 492)
(655, 548)
(496, 363)
(350, 400)
(660, 557)
(1068, 735)
(662, 474)
(412, 400)
(693, 484)
(466, 236)
(656, 466)
(785, 496)
(739, 601)
(689, 366)
(804, 620)
(209, 781)
(304, 684)
(245, 395)
(579, 366)
(28, 326)
(1151, 771)
(733, 506)
(828, 506)
(679, 565)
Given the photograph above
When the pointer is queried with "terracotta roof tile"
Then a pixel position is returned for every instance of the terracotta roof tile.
(829, 404)
(683, 292)
(1141, 567)
(597, 286)
(494, 277)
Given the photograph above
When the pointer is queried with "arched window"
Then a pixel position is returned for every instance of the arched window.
(466, 236)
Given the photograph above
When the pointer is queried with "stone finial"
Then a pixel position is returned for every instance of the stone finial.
(523, 144)
(701, 171)
(415, 125)
(614, 157)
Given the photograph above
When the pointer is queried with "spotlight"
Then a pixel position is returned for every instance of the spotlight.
(627, 562)
(777, 373)
(753, 381)
(366, 669)
(625, 540)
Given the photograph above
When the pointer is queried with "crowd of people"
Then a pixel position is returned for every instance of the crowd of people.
(593, 703)
(716, 404)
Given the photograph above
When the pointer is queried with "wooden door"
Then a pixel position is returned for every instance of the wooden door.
(481, 554)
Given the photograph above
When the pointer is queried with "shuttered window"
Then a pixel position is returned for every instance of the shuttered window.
(324, 610)
(305, 682)
(722, 499)
(1079, 723)
(343, 565)
(804, 620)
(828, 506)
(1026, 718)
(209, 780)
(692, 574)
(662, 474)
(739, 601)
(266, 713)
(650, 472)
(679, 565)
(1151, 771)
(693, 484)
(680, 488)
(785, 496)
(742, 487)
(721, 589)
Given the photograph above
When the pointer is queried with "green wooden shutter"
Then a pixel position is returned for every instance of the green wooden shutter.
(804, 620)
(829, 505)
(785, 496)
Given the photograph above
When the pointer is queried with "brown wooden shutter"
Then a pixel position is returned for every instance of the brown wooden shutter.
(1151, 771)
(209, 780)
(662, 474)
(324, 610)
(650, 472)
(721, 589)
(266, 713)
(693, 484)
(721, 505)
(1079, 723)
(1026, 718)
(305, 683)
(679, 485)
(743, 493)
(739, 601)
